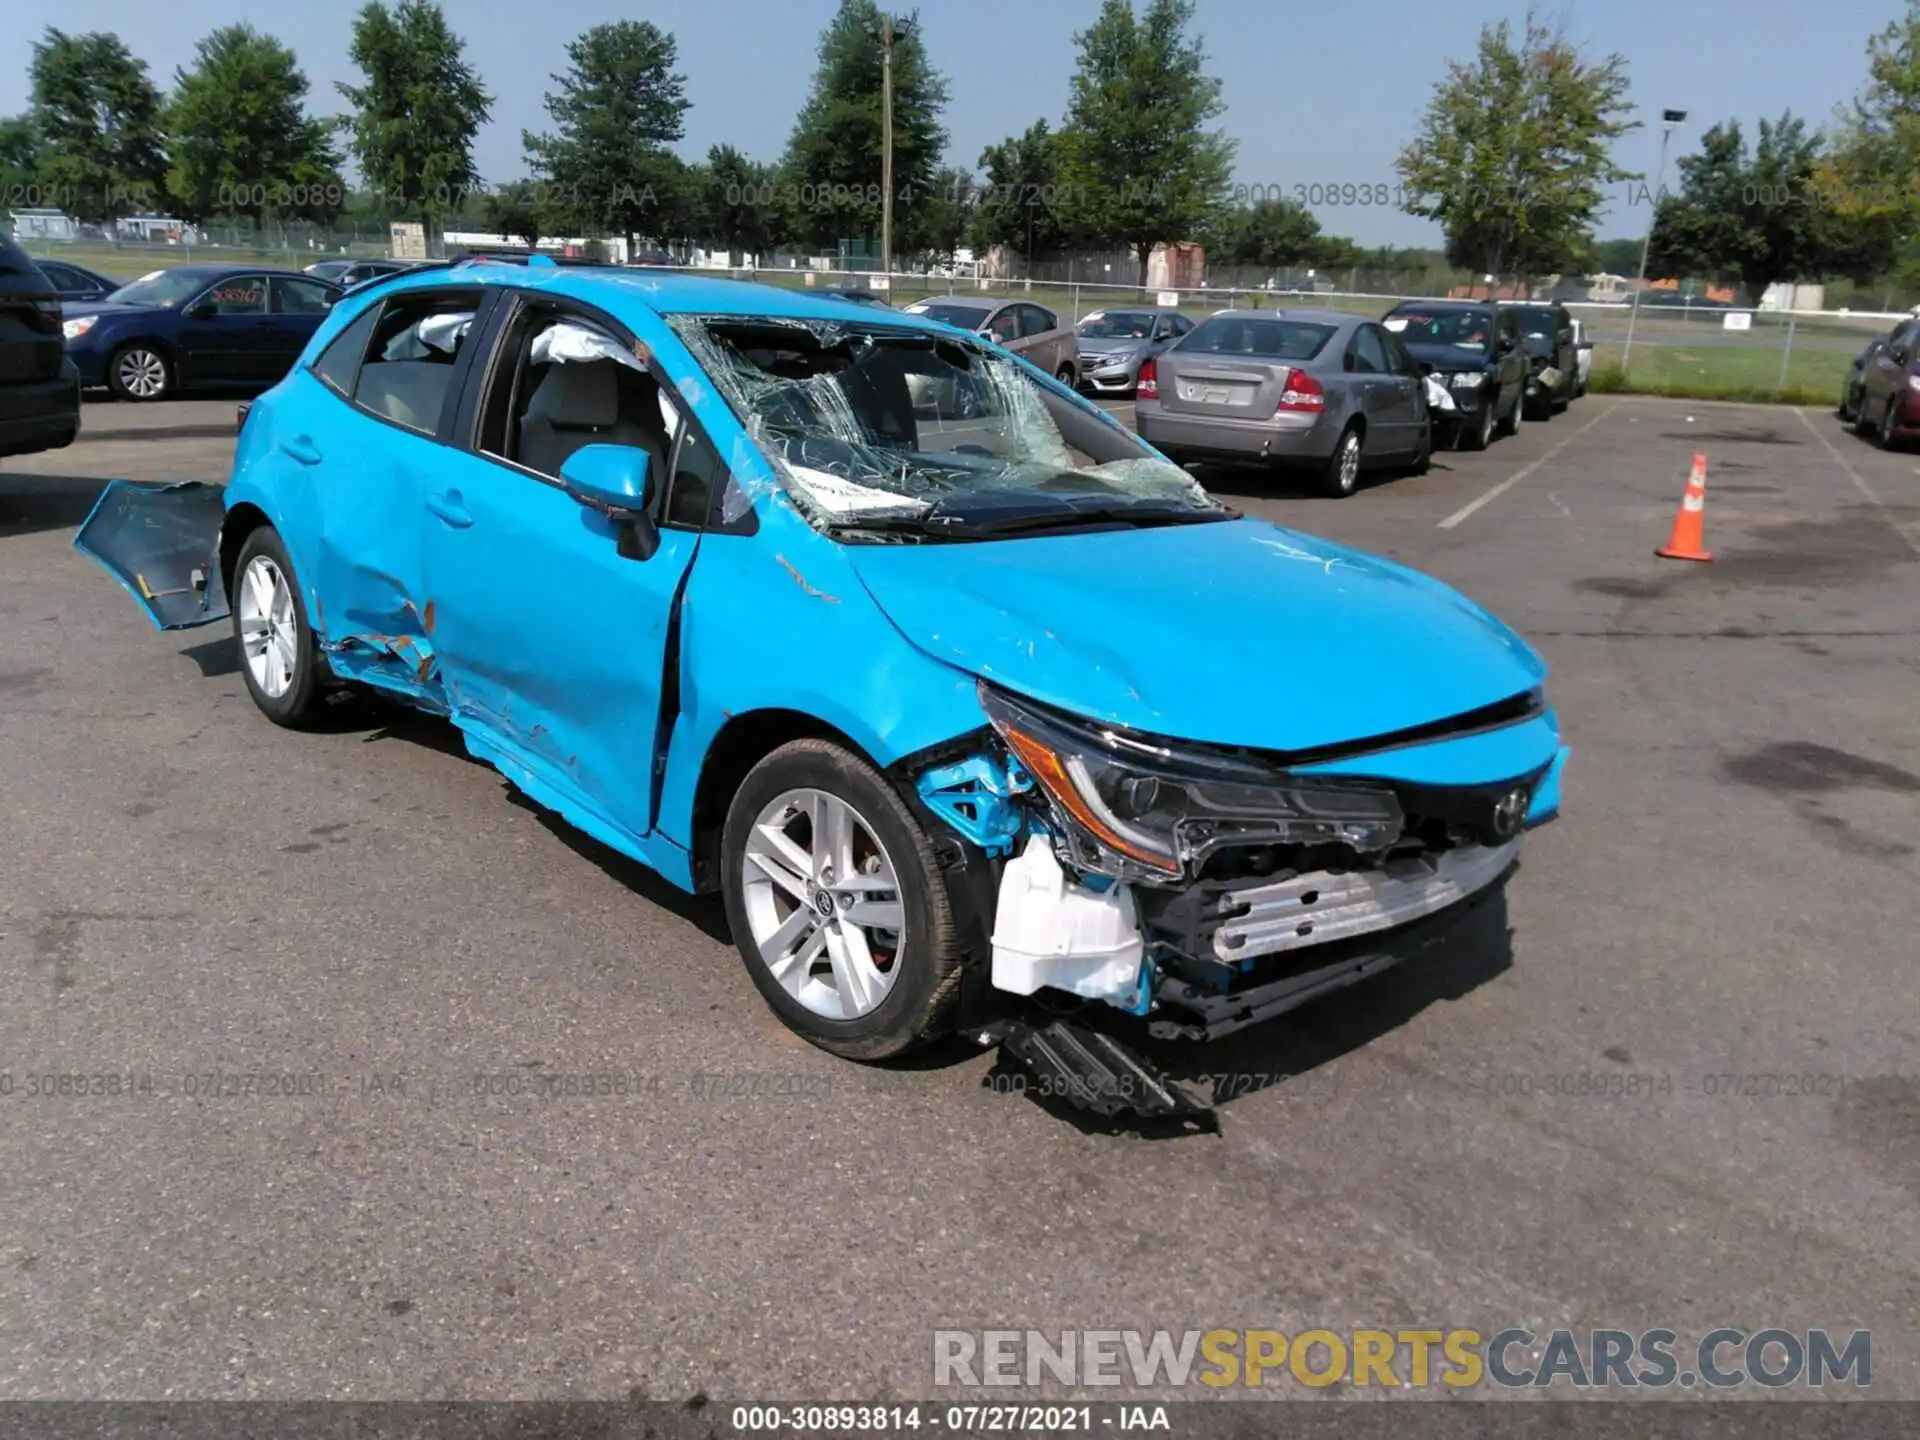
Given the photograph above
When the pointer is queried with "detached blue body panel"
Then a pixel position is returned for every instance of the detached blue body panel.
(599, 683)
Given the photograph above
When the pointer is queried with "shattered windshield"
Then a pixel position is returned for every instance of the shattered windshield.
(892, 430)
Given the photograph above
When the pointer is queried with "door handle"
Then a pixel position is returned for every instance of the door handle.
(301, 448)
(449, 509)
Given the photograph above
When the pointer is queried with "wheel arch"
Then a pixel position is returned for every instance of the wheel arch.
(242, 520)
(739, 745)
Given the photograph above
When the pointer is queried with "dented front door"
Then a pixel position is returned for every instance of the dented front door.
(551, 644)
(161, 542)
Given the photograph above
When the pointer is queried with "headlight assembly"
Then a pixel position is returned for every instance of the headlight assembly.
(74, 329)
(1143, 811)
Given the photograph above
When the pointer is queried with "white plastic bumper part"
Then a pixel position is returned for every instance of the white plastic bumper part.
(1049, 931)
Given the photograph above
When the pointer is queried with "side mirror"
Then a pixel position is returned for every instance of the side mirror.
(616, 480)
(1506, 345)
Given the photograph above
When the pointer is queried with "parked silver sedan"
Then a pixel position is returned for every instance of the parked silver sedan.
(1031, 331)
(1336, 394)
(1115, 343)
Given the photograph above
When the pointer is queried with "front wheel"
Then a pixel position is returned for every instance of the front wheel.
(278, 656)
(139, 372)
(1510, 422)
(837, 904)
(1481, 436)
(1890, 424)
(1065, 376)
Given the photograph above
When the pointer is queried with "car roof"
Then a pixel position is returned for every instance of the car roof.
(1444, 305)
(615, 288)
(1333, 318)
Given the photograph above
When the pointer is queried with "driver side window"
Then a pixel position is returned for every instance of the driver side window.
(565, 382)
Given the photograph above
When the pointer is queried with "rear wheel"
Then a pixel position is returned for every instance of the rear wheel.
(1065, 376)
(1890, 424)
(1423, 457)
(278, 657)
(1341, 477)
(838, 905)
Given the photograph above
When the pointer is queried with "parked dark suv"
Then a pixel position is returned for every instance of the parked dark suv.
(1474, 350)
(1546, 334)
(39, 387)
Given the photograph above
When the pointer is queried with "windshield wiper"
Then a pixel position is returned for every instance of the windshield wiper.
(1135, 513)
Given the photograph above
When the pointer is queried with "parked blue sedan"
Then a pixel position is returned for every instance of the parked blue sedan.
(940, 677)
(197, 327)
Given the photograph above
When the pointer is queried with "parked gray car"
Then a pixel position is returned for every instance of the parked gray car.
(1114, 343)
(1334, 393)
(1030, 331)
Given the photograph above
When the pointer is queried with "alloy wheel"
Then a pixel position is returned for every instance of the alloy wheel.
(141, 373)
(823, 904)
(269, 634)
(1349, 463)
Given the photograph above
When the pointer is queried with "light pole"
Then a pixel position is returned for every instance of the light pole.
(1668, 119)
(890, 31)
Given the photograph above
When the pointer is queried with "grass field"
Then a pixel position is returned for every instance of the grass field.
(1684, 356)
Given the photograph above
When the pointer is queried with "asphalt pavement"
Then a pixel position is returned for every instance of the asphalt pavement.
(339, 960)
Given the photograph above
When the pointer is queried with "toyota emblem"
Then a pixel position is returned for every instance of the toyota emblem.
(1509, 813)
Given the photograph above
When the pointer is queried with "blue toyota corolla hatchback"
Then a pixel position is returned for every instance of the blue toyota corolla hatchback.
(979, 714)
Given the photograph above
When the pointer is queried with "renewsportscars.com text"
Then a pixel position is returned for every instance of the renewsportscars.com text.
(1458, 1358)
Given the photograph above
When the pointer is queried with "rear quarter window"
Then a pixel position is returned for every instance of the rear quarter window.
(1265, 339)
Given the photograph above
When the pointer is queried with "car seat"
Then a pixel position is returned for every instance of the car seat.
(595, 402)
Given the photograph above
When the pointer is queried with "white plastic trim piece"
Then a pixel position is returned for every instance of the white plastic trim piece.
(1049, 931)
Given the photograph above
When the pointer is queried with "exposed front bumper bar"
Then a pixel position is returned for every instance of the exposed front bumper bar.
(1324, 907)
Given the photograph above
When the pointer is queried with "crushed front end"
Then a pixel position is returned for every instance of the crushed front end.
(1201, 890)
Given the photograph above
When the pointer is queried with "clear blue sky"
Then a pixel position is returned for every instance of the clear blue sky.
(1315, 94)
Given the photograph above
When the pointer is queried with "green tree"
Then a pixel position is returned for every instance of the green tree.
(1138, 165)
(940, 219)
(832, 169)
(1514, 151)
(102, 153)
(1018, 201)
(738, 204)
(20, 165)
(1753, 217)
(1269, 232)
(618, 109)
(1613, 257)
(240, 139)
(418, 111)
(518, 211)
(1868, 182)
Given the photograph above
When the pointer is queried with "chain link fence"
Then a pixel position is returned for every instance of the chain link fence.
(1671, 343)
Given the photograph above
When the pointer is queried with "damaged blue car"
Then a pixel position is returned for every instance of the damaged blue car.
(949, 685)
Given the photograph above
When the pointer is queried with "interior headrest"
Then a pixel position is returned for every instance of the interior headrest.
(574, 393)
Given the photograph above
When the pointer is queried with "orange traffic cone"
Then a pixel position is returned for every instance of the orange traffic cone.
(1688, 541)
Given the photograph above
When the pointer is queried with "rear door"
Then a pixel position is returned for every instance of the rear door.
(31, 345)
(1046, 344)
(1236, 367)
(1379, 392)
(1412, 388)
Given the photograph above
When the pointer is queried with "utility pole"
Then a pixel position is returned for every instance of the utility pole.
(886, 148)
(1668, 119)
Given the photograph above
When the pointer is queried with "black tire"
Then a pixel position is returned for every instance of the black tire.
(1862, 423)
(1481, 435)
(1888, 436)
(1510, 422)
(919, 1007)
(1066, 377)
(149, 359)
(1337, 479)
(304, 700)
(1422, 460)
